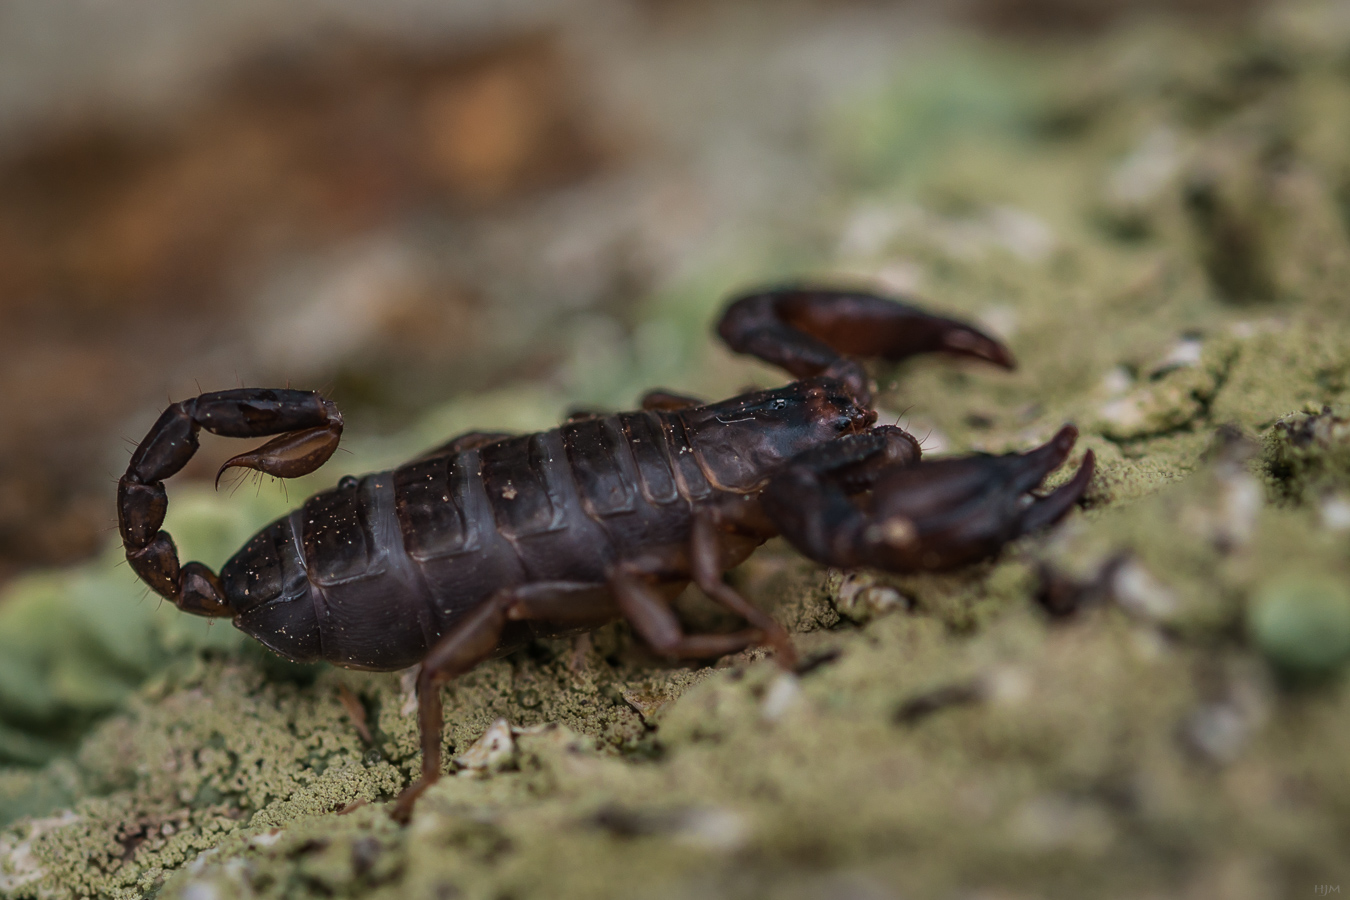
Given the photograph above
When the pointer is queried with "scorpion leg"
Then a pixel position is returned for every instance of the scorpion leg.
(309, 428)
(714, 532)
(643, 605)
(930, 515)
(810, 331)
(477, 638)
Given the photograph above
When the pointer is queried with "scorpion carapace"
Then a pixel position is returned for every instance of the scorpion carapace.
(469, 550)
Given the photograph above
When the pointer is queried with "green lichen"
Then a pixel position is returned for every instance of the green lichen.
(1303, 624)
(1308, 454)
(1155, 223)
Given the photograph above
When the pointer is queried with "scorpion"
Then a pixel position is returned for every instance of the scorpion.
(472, 549)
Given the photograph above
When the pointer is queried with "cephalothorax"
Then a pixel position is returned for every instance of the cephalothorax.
(467, 551)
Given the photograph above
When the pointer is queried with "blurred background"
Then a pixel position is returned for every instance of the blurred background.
(401, 204)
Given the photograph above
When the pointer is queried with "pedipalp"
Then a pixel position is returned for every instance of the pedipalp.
(808, 331)
(930, 515)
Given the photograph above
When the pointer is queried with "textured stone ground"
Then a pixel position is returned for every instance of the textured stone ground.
(1156, 222)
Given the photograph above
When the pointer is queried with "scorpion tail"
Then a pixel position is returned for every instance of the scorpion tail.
(812, 330)
(309, 427)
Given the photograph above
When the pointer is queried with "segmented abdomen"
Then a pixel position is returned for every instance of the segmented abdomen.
(370, 573)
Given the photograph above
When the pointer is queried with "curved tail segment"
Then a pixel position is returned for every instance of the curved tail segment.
(309, 428)
(930, 515)
(813, 331)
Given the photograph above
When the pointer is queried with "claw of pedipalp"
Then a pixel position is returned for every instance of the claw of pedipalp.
(969, 342)
(1079, 482)
(1054, 506)
(1057, 449)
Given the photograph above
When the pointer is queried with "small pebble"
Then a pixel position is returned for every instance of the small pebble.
(1139, 593)
(1184, 354)
(713, 828)
(1302, 624)
(862, 600)
(1056, 822)
(1147, 170)
(266, 839)
(1117, 381)
(1007, 685)
(1216, 731)
(703, 827)
(648, 704)
(1336, 513)
(492, 752)
(784, 693)
(1241, 499)
(407, 681)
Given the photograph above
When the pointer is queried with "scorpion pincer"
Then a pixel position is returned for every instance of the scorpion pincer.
(466, 552)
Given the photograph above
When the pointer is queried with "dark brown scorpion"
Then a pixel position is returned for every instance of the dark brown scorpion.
(468, 551)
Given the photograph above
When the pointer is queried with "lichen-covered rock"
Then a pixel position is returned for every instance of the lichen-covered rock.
(1308, 454)
(1105, 711)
